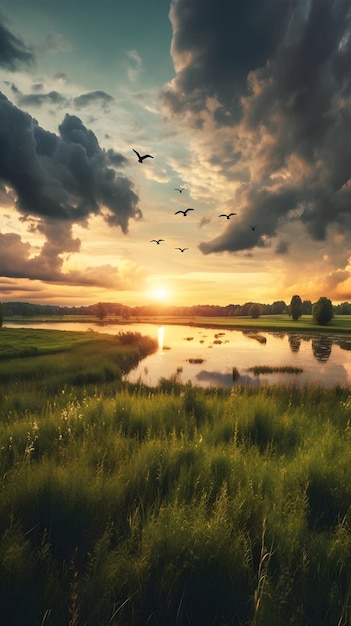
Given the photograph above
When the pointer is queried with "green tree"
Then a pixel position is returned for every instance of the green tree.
(296, 307)
(343, 309)
(306, 307)
(100, 311)
(1, 314)
(322, 311)
(278, 307)
(254, 311)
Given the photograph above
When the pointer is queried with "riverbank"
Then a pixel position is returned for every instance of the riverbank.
(272, 323)
(51, 360)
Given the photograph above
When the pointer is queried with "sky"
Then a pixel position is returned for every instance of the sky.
(245, 106)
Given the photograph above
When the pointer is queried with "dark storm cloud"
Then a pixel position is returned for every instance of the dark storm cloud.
(261, 209)
(220, 43)
(58, 180)
(116, 158)
(279, 72)
(14, 53)
(61, 177)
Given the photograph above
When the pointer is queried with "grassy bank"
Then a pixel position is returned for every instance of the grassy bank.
(340, 323)
(35, 361)
(124, 506)
(277, 323)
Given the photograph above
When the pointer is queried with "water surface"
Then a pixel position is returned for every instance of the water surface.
(206, 357)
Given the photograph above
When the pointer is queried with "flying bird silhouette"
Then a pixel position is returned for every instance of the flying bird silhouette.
(181, 249)
(252, 227)
(141, 158)
(180, 189)
(184, 212)
(227, 216)
(157, 241)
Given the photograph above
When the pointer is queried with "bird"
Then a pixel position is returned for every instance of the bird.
(184, 212)
(180, 189)
(158, 241)
(141, 158)
(181, 249)
(227, 216)
(252, 227)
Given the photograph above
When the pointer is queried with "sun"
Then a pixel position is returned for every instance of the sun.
(160, 294)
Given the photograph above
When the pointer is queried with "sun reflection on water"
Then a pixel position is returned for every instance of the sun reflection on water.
(160, 336)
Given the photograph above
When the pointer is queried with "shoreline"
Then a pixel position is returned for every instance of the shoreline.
(340, 325)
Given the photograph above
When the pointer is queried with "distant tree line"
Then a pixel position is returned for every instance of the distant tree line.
(295, 309)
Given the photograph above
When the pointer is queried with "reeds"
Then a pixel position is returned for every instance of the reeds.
(281, 369)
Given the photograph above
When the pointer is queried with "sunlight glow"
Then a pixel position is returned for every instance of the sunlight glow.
(161, 294)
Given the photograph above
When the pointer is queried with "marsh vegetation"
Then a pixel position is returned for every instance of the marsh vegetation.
(127, 505)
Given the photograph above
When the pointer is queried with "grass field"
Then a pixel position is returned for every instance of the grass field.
(125, 505)
(340, 323)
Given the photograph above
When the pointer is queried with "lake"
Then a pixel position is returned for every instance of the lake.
(206, 357)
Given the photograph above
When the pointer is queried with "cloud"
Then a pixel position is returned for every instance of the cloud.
(47, 266)
(93, 98)
(61, 177)
(56, 180)
(264, 89)
(336, 278)
(37, 99)
(14, 53)
(116, 158)
(238, 38)
(7, 197)
(16, 262)
(282, 247)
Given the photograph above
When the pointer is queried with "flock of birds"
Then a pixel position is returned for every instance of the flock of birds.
(141, 158)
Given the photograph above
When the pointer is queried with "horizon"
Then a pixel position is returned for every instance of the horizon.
(247, 125)
(163, 305)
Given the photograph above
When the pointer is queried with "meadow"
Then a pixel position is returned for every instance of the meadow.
(126, 505)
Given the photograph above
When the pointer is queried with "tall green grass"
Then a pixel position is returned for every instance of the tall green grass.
(175, 505)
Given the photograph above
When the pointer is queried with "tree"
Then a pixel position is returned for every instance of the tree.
(343, 309)
(307, 307)
(255, 311)
(100, 311)
(296, 307)
(1, 314)
(278, 307)
(322, 311)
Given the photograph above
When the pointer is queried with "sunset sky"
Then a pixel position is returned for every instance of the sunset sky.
(245, 104)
